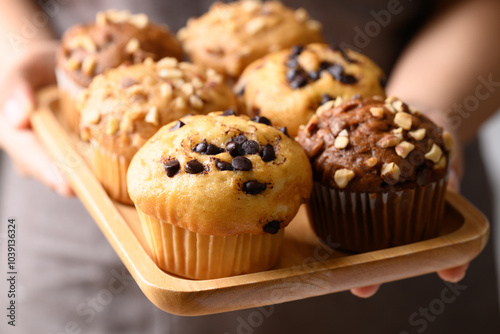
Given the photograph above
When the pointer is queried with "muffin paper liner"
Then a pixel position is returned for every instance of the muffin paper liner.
(68, 93)
(361, 222)
(202, 256)
(111, 170)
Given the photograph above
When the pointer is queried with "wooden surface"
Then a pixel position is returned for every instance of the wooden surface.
(306, 268)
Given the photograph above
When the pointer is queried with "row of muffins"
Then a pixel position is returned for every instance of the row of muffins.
(229, 185)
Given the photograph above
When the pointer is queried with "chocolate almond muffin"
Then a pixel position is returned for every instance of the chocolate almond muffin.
(214, 194)
(123, 108)
(380, 172)
(288, 86)
(232, 35)
(116, 38)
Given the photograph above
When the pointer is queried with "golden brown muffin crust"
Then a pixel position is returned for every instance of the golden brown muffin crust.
(288, 86)
(372, 145)
(232, 35)
(220, 193)
(116, 38)
(123, 108)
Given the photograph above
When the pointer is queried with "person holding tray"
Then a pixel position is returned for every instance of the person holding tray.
(441, 57)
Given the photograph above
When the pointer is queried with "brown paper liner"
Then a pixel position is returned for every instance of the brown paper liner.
(68, 93)
(202, 256)
(111, 170)
(361, 222)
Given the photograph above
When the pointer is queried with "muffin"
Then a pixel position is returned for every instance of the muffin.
(124, 107)
(214, 194)
(116, 38)
(380, 174)
(232, 35)
(304, 77)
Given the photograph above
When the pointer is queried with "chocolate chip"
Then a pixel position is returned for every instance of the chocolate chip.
(325, 98)
(285, 131)
(290, 74)
(240, 139)
(172, 167)
(177, 125)
(229, 112)
(201, 147)
(234, 149)
(213, 149)
(223, 165)
(267, 153)
(344, 54)
(194, 167)
(262, 119)
(250, 147)
(314, 75)
(299, 81)
(127, 82)
(296, 50)
(254, 187)
(241, 163)
(324, 65)
(348, 79)
(272, 227)
(292, 64)
(337, 71)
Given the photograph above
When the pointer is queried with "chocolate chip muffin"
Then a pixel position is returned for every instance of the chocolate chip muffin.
(232, 35)
(288, 86)
(115, 38)
(380, 173)
(215, 193)
(123, 108)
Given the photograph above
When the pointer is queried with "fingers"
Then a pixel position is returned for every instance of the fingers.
(366, 291)
(17, 106)
(454, 274)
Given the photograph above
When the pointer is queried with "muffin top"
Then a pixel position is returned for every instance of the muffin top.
(116, 38)
(123, 108)
(232, 35)
(221, 175)
(372, 145)
(303, 78)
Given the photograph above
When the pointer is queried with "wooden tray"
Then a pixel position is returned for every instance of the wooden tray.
(306, 269)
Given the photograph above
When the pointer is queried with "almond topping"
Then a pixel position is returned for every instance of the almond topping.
(196, 102)
(167, 62)
(139, 20)
(389, 141)
(404, 148)
(179, 103)
(311, 125)
(441, 163)
(88, 65)
(343, 133)
(112, 126)
(390, 108)
(132, 45)
(448, 141)
(390, 99)
(153, 116)
(301, 15)
(91, 117)
(324, 107)
(403, 120)
(338, 101)
(343, 177)
(371, 162)
(434, 154)
(390, 173)
(170, 73)
(341, 142)
(166, 90)
(417, 134)
(398, 131)
(126, 124)
(255, 25)
(197, 83)
(398, 105)
(73, 64)
(413, 110)
(377, 112)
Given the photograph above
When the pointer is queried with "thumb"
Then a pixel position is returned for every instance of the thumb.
(18, 106)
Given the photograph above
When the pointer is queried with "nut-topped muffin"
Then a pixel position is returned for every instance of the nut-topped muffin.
(232, 35)
(380, 171)
(304, 77)
(215, 192)
(115, 38)
(125, 107)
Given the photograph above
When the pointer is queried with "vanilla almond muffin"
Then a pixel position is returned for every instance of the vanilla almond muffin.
(115, 38)
(288, 86)
(232, 35)
(215, 193)
(380, 174)
(125, 107)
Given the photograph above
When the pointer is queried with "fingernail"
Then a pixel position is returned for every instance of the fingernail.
(13, 111)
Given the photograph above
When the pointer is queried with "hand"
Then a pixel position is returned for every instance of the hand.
(30, 71)
(454, 274)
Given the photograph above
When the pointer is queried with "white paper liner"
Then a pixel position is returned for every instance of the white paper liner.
(68, 93)
(361, 222)
(202, 256)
